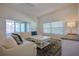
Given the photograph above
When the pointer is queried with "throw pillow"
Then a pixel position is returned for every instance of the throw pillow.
(17, 38)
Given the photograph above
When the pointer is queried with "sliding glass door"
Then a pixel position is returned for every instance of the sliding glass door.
(16, 26)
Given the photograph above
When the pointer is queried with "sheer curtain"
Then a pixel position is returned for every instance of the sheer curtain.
(54, 27)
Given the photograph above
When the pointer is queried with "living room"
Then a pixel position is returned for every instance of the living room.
(42, 26)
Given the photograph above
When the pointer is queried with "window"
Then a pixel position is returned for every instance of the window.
(22, 27)
(9, 26)
(57, 27)
(33, 26)
(28, 27)
(47, 27)
(15, 26)
(54, 27)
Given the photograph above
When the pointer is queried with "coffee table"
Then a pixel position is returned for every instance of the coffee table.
(41, 41)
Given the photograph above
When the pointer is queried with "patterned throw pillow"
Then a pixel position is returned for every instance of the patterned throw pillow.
(17, 38)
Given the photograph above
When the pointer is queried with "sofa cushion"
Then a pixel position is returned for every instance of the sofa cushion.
(17, 38)
(9, 43)
(25, 35)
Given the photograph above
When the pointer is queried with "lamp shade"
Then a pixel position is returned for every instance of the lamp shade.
(71, 24)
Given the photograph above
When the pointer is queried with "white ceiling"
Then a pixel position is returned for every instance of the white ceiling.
(36, 9)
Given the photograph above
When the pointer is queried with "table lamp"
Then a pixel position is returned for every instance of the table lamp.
(71, 25)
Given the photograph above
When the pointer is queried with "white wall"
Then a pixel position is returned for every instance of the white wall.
(78, 19)
(67, 13)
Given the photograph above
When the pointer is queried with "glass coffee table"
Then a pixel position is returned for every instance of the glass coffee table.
(41, 41)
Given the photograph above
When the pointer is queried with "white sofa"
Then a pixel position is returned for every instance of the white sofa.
(28, 48)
